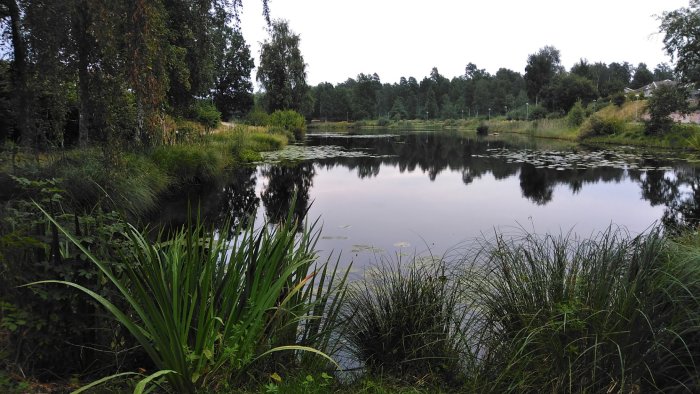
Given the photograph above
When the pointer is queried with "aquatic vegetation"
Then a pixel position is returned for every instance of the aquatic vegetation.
(204, 308)
(561, 160)
(608, 313)
(300, 153)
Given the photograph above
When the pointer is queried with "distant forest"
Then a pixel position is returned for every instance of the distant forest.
(545, 87)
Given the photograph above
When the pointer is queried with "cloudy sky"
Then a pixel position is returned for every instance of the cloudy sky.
(394, 38)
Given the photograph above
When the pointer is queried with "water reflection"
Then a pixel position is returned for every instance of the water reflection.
(442, 185)
(432, 153)
(283, 182)
(238, 201)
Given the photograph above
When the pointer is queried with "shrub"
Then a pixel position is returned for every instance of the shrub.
(537, 112)
(405, 321)
(258, 117)
(205, 112)
(597, 125)
(383, 121)
(482, 129)
(619, 99)
(577, 114)
(289, 120)
(188, 131)
(665, 101)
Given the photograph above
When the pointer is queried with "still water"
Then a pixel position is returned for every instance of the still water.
(406, 192)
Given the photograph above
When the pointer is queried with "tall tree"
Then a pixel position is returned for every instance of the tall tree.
(233, 89)
(681, 29)
(20, 71)
(662, 72)
(282, 71)
(540, 69)
(364, 96)
(642, 76)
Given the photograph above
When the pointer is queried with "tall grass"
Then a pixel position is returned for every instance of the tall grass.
(405, 322)
(207, 308)
(133, 183)
(560, 314)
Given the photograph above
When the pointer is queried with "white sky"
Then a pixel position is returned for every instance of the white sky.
(394, 38)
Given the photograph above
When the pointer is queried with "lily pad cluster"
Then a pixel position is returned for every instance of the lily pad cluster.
(562, 160)
(301, 153)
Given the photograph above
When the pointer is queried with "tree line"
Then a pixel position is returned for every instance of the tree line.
(85, 71)
(545, 84)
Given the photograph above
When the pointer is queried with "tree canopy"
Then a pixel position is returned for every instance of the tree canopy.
(681, 29)
(84, 71)
(282, 71)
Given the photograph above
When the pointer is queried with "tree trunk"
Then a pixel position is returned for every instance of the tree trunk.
(19, 67)
(83, 46)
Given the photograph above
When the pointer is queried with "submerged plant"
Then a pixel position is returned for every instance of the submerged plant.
(204, 308)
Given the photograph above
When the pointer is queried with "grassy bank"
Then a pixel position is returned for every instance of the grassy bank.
(133, 180)
(609, 125)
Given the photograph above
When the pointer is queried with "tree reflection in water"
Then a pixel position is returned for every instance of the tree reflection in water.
(282, 183)
(238, 201)
(678, 191)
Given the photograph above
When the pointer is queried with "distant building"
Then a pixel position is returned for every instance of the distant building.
(648, 90)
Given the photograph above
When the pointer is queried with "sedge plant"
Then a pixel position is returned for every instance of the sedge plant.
(612, 313)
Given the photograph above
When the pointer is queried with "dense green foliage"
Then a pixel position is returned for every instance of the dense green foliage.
(665, 101)
(545, 88)
(206, 305)
(109, 72)
(282, 71)
(289, 121)
(682, 40)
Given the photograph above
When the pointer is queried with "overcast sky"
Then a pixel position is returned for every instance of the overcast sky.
(394, 38)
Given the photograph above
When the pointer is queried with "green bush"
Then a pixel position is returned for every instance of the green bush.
(383, 121)
(289, 120)
(619, 99)
(258, 117)
(537, 112)
(577, 114)
(665, 101)
(42, 329)
(205, 112)
(597, 125)
(188, 131)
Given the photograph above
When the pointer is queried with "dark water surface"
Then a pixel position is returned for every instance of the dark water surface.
(414, 191)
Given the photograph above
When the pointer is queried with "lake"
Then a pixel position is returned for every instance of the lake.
(382, 192)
